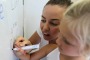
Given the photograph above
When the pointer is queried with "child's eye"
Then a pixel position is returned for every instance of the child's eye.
(66, 41)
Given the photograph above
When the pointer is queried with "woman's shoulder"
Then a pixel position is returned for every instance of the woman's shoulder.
(88, 58)
(54, 55)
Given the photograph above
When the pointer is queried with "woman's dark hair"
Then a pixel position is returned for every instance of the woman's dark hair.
(59, 2)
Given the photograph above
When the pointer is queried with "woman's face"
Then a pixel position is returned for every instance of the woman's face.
(51, 16)
(68, 44)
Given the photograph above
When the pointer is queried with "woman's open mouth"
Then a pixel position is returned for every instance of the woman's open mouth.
(46, 34)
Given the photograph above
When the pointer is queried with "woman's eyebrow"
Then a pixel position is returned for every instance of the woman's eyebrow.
(51, 19)
(43, 17)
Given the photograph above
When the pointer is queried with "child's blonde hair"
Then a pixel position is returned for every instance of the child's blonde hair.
(77, 18)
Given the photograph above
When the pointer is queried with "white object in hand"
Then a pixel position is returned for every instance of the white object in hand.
(28, 47)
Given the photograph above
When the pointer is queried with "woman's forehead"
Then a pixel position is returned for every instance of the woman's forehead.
(54, 12)
(54, 8)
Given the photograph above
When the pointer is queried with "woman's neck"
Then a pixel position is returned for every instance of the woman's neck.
(64, 57)
(52, 42)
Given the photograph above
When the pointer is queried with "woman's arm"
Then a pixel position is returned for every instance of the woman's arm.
(44, 51)
(35, 38)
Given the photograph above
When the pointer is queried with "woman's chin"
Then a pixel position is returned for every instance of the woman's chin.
(47, 38)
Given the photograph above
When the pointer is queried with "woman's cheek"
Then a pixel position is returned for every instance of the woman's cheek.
(41, 25)
(56, 30)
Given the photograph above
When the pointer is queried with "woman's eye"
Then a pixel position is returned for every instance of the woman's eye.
(54, 24)
(43, 21)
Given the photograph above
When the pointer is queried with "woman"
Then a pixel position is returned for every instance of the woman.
(74, 38)
(48, 31)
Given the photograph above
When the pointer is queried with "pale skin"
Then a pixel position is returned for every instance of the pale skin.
(51, 16)
(70, 48)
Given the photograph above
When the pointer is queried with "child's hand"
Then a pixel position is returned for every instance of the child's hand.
(20, 42)
(21, 54)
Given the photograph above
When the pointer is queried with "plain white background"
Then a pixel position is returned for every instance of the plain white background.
(11, 26)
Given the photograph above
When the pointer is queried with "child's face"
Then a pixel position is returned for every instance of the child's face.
(68, 44)
(51, 16)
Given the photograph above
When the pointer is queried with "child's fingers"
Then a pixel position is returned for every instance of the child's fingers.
(20, 50)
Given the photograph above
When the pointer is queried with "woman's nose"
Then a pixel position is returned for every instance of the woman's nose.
(46, 27)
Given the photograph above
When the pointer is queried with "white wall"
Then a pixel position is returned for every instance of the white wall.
(11, 26)
(32, 15)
